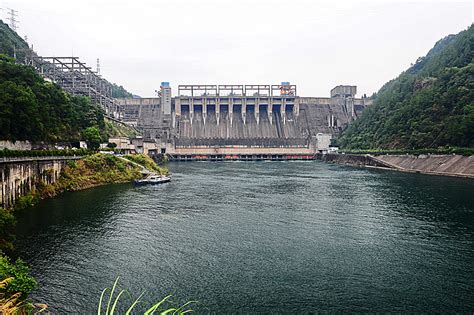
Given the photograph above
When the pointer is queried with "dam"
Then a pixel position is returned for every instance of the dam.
(244, 122)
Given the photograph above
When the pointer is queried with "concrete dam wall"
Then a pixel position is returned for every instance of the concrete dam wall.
(446, 165)
(22, 175)
(225, 119)
(451, 165)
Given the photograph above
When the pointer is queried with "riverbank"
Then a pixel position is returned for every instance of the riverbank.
(89, 171)
(431, 164)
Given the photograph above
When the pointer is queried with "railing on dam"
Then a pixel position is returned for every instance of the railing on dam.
(5, 160)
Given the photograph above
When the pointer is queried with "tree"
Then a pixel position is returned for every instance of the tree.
(430, 105)
(92, 137)
(36, 110)
(7, 227)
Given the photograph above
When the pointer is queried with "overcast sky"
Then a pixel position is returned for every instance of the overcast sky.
(313, 44)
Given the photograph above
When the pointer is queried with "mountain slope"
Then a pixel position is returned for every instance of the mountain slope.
(10, 41)
(429, 105)
(34, 109)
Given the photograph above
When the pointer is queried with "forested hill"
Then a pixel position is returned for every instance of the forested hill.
(34, 109)
(429, 105)
(9, 41)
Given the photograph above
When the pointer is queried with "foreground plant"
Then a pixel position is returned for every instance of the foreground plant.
(157, 308)
(15, 303)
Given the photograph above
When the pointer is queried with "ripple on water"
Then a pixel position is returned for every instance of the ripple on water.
(270, 237)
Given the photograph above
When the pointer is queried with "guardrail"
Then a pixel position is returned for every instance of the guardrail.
(5, 160)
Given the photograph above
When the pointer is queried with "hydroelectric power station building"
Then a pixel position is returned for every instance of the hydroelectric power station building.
(247, 122)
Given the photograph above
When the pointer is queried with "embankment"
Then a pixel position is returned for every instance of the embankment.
(27, 180)
(21, 175)
(43, 177)
(445, 165)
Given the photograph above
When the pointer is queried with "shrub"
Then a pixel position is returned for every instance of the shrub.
(26, 201)
(22, 282)
(7, 225)
(37, 153)
(146, 161)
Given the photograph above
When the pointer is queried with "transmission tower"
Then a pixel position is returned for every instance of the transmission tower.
(98, 66)
(12, 17)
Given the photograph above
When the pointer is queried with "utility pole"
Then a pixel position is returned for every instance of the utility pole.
(12, 17)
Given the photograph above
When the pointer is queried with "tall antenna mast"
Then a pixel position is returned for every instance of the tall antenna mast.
(12, 17)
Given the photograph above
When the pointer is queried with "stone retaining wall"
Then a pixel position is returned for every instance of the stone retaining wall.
(21, 175)
(446, 165)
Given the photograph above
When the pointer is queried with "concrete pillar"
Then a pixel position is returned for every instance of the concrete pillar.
(218, 109)
(244, 108)
(257, 110)
(283, 110)
(191, 110)
(296, 108)
(177, 110)
(231, 109)
(204, 109)
(270, 110)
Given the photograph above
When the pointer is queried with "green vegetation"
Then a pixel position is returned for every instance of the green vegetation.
(34, 109)
(120, 92)
(113, 301)
(39, 153)
(21, 281)
(93, 170)
(11, 41)
(431, 105)
(147, 162)
(7, 227)
(15, 285)
(114, 129)
(92, 137)
(90, 171)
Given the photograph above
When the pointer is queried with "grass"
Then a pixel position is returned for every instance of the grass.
(90, 171)
(160, 307)
(147, 162)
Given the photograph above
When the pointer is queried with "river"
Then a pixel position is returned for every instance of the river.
(260, 237)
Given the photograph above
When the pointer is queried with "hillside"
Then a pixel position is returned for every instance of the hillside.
(120, 92)
(429, 105)
(9, 41)
(34, 109)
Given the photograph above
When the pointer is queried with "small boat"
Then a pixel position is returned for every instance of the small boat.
(153, 179)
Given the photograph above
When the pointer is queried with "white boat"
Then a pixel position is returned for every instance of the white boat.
(153, 179)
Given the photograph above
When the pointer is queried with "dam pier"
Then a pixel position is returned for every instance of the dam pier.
(239, 122)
